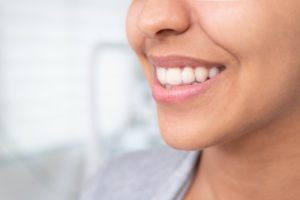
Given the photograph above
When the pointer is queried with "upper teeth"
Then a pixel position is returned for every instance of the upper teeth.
(186, 75)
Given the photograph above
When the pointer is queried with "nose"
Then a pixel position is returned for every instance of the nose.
(163, 16)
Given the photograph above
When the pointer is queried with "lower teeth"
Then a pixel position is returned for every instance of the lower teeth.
(168, 87)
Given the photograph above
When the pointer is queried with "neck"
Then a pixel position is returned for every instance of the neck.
(263, 165)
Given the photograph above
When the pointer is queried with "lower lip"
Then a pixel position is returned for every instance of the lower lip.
(182, 93)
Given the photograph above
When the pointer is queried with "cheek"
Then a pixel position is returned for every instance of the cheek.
(238, 27)
(134, 36)
(267, 46)
(252, 30)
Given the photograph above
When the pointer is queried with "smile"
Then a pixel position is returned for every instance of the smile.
(180, 78)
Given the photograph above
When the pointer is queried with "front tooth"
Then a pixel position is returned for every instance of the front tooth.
(173, 76)
(201, 74)
(161, 75)
(213, 72)
(188, 75)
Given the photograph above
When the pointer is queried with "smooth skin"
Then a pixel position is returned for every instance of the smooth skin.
(248, 123)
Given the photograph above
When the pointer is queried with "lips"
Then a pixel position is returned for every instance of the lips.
(172, 72)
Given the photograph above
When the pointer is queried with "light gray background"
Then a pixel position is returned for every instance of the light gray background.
(71, 95)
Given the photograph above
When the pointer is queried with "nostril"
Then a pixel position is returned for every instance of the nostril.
(167, 31)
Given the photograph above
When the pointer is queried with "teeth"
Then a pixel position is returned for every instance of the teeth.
(168, 86)
(213, 72)
(188, 75)
(173, 76)
(161, 75)
(201, 74)
(170, 77)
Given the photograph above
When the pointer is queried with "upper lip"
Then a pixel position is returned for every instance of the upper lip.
(180, 61)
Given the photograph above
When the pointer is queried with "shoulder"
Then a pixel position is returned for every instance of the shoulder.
(140, 171)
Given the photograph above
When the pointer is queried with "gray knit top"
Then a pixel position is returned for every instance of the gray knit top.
(158, 174)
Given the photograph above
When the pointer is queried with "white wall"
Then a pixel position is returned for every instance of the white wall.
(71, 95)
(45, 55)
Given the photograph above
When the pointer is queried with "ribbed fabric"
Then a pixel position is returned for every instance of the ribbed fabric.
(159, 174)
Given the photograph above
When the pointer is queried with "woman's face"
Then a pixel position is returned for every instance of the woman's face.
(255, 45)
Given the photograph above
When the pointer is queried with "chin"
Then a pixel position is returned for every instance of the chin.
(193, 130)
(189, 139)
(184, 134)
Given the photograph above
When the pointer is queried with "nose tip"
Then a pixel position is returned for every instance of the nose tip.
(160, 16)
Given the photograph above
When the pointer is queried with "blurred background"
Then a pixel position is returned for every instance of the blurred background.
(72, 95)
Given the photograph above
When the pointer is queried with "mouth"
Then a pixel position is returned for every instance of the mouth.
(179, 78)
